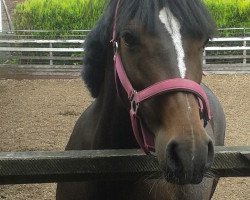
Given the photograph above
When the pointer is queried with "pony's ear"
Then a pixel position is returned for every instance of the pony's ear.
(95, 55)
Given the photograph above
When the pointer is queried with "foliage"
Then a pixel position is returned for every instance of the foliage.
(57, 14)
(64, 15)
(230, 13)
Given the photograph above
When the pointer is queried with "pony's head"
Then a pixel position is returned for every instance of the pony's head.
(159, 40)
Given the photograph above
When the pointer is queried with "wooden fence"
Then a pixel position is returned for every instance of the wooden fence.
(63, 57)
(228, 55)
(41, 57)
(71, 166)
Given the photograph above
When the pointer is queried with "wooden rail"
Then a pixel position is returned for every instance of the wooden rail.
(233, 48)
(32, 41)
(45, 49)
(231, 39)
(68, 166)
(31, 57)
(223, 56)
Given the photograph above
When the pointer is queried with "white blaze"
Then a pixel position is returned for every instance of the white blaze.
(174, 28)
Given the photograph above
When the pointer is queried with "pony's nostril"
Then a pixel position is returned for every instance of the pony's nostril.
(172, 159)
(210, 156)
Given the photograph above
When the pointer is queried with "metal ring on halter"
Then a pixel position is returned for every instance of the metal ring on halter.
(134, 106)
(115, 46)
(133, 103)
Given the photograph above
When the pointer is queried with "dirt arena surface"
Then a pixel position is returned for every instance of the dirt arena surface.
(40, 115)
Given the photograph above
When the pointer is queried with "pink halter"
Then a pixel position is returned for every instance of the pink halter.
(144, 138)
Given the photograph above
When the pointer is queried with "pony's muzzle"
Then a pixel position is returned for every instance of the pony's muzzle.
(187, 163)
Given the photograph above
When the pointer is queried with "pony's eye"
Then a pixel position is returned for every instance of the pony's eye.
(129, 39)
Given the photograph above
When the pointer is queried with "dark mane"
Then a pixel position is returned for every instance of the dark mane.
(194, 18)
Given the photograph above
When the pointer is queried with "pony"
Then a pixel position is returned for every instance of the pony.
(143, 66)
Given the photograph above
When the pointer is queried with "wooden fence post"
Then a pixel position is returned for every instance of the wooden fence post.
(51, 54)
(1, 19)
(204, 57)
(245, 52)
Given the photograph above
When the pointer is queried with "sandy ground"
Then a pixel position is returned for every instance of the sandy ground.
(40, 115)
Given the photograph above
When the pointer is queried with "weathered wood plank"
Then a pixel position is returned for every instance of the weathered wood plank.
(66, 58)
(220, 57)
(39, 41)
(227, 67)
(29, 49)
(43, 167)
(39, 71)
(38, 67)
(231, 39)
(232, 48)
(40, 75)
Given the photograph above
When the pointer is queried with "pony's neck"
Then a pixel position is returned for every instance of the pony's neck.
(113, 127)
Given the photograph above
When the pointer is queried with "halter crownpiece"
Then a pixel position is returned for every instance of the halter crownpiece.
(144, 138)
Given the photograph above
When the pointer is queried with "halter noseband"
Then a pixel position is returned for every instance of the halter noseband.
(144, 138)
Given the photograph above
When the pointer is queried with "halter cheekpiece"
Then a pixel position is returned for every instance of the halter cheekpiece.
(144, 138)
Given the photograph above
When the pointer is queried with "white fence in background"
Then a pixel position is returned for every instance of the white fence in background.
(1, 19)
(228, 55)
(64, 56)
